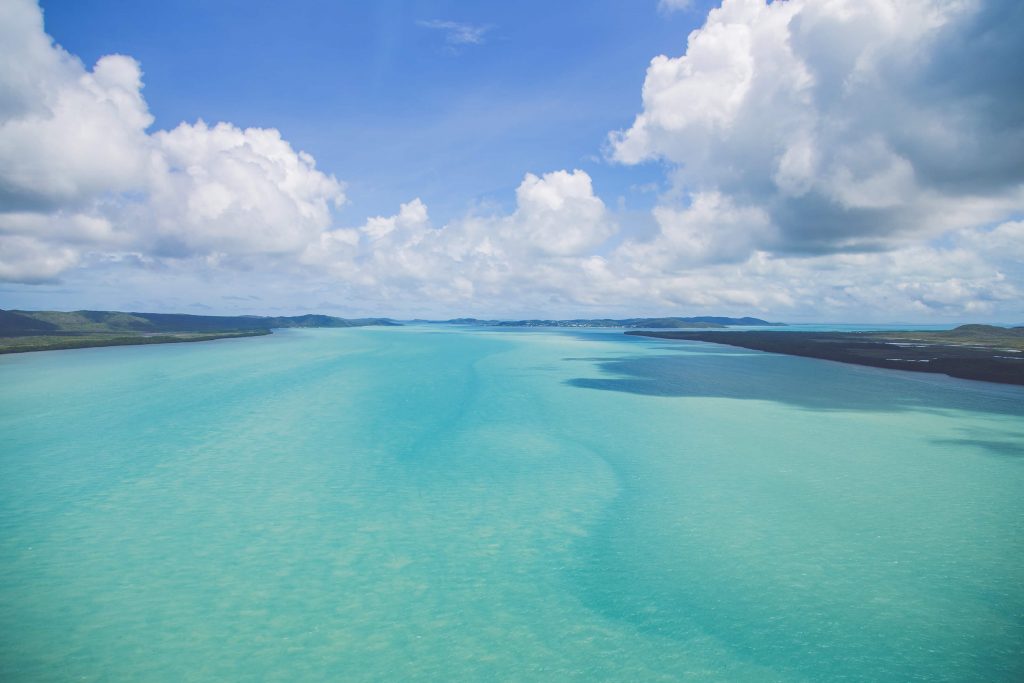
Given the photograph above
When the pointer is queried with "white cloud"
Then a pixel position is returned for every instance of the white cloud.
(79, 172)
(238, 191)
(1004, 243)
(711, 230)
(559, 215)
(826, 159)
(474, 258)
(853, 124)
(68, 134)
(201, 198)
(27, 259)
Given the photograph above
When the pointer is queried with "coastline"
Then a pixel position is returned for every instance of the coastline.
(26, 331)
(30, 343)
(973, 356)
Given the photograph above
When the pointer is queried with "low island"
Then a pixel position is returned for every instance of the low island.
(981, 352)
(670, 323)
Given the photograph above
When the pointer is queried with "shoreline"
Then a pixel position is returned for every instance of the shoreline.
(974, 356)
(53, 342)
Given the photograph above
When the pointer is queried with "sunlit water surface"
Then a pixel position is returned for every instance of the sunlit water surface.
(448, 504)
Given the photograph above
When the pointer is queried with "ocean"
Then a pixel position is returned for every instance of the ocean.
(442, 503)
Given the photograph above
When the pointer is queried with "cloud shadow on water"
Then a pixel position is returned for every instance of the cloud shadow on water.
(712, 371)
(1005, 449)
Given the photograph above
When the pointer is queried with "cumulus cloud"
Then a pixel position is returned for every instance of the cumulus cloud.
(27, 259)
(557, 223)
(67, 134)
(88, 185)
(842, 159)
(854, 125)
(404, 263)
(80, 172)
(1003, 243)
(952, 281)
(559, 215)
(710, 230)
(237, 191)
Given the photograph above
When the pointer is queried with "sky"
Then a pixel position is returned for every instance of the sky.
(799, 160)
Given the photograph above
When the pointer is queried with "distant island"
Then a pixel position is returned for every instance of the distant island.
(22, 331)
(699, 322)
(981, 352)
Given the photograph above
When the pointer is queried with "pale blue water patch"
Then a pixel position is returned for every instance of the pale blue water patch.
(431, 503)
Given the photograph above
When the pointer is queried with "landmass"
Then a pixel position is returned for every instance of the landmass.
(980, 352)
(699, 322)
(22, 331)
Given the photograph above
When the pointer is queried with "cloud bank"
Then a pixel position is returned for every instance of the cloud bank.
(845, 159)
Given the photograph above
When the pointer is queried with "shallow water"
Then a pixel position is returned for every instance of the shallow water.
(436, 503)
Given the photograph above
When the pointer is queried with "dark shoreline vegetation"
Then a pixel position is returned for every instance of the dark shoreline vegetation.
(85, 341)
(979, 352)
(23, 331)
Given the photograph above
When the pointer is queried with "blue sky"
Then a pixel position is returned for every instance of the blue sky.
(387, 103)
(798, 160)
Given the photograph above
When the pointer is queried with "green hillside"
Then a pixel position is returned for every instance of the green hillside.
(15, 323)
(48, 330)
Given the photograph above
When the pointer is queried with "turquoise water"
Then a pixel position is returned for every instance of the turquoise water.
(448, 504)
